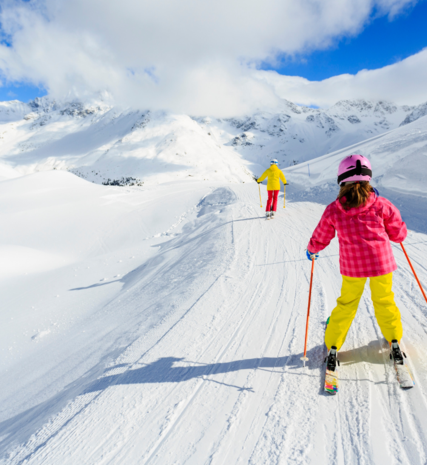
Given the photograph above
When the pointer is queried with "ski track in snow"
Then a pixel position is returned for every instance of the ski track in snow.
(211, 370)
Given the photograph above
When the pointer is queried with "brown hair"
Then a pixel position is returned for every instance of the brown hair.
(353, 195)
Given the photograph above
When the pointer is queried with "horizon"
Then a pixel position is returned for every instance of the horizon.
(314, 57)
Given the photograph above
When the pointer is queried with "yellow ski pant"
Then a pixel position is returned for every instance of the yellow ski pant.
(386, 311)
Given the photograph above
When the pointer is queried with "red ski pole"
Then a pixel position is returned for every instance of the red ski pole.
(413, 271)
(308, 313)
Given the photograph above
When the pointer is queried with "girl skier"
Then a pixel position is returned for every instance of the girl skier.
(274, 175)
(365, 224)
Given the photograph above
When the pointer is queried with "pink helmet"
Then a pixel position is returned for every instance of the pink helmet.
(354, 168)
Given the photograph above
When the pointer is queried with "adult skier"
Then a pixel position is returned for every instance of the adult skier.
(274, 175)
(365, 224)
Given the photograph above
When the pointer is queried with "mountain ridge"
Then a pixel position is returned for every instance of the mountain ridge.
(106, 144)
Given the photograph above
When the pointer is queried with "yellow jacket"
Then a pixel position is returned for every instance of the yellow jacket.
(274, 175)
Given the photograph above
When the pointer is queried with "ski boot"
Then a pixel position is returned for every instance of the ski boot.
(267, 215)
(272, 214)
(331, 360)
(396, 354)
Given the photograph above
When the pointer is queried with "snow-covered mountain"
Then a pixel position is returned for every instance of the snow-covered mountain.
(398, 158)
(110, 145)
(164, 324)
(418, 112)
(300, 133)
(399, 165)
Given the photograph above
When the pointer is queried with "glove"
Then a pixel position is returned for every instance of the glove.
(310, 255)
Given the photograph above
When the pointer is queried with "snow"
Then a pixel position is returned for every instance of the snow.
(397, 158)
(164, 323)
(418, 112)
(105, 144)
(399, 164)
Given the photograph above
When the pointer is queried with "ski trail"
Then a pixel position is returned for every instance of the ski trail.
(212, 372)
(221, 454)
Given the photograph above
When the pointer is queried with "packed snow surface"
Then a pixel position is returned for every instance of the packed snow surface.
(166, 325)
(163, 322)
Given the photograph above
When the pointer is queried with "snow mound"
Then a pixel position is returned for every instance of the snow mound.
(7, 172)
(216, 201)
(18, 260)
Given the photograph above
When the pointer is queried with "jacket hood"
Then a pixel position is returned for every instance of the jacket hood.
(274, 167)
(355, 211)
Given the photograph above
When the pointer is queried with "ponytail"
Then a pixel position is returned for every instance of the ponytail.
(353, 195)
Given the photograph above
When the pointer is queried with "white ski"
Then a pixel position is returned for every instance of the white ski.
(404, 376)
(403, 373)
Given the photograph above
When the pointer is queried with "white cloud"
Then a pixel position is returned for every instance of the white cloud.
(403, 83)
(189, 56)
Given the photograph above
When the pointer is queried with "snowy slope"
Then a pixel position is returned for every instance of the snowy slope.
(164, 322)
(104, 144)
(170, 326)
(399, 164)
(398, 159)
(101, 143)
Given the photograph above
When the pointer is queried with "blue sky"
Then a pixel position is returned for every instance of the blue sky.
(382, 43)
(20, 92)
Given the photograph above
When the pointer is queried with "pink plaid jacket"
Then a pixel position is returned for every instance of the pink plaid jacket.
(364, 235)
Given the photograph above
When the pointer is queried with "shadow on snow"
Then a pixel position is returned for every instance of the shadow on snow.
(18, 429)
